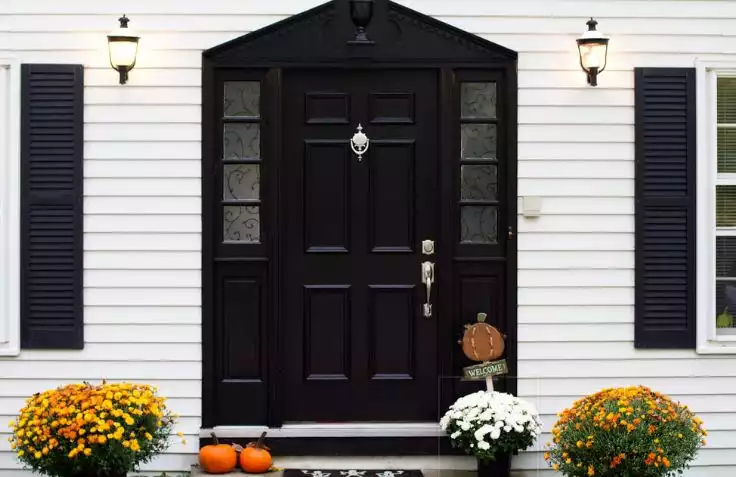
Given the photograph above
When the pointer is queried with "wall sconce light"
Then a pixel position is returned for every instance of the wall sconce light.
(123, 46)
(593, 49)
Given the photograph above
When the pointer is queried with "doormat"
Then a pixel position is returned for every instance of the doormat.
(351, 473)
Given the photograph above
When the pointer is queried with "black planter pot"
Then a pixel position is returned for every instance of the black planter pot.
(501, 467)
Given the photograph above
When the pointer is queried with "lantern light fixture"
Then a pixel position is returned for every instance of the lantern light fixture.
(122, 44)
(593, 50)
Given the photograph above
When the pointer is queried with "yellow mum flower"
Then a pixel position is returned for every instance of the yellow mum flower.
(87, 451)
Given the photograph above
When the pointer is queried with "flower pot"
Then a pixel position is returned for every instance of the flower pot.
(501, 467)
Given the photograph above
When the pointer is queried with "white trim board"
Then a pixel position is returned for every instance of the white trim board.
(429, 429)
(9, 207)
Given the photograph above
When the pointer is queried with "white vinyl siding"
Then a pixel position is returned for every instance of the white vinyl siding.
(576, 151)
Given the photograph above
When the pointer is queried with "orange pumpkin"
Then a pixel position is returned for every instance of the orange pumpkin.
(255, 458)
(217, 458)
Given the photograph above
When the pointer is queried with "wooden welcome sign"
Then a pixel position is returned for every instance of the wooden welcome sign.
(483, 342)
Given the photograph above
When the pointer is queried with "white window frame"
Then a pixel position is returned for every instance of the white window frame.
(9, 207)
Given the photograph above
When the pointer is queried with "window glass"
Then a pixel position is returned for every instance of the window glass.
(725, 196)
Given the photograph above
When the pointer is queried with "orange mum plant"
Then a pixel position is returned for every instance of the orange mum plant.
(625, 432)
(83, 429)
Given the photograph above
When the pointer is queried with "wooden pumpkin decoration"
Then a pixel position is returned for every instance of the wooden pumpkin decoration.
(481, 341)
(255, 457)
(217, 458)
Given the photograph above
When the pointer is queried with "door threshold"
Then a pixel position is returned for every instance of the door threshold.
(348, 429)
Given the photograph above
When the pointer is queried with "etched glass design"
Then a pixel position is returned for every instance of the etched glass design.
(478, 224)
(241, 141)
(478, 100)
(478, 141)
(478, 182)
(241, 182)
(242, 223)
(242, 99)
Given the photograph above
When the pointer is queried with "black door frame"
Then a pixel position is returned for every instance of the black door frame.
(499, 63)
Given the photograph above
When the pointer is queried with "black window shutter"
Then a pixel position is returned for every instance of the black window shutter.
(51, 206)
(665, 313)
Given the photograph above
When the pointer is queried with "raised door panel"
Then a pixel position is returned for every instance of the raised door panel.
(326, 321)
(241, 337)
(391, 314)
(326, 196)
(392, 169)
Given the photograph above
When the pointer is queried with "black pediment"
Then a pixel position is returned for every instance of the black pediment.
(324, 33)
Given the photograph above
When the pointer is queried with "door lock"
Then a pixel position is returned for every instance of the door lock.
(428, 247)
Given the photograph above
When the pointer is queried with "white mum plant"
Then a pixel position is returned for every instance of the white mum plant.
(489, 424)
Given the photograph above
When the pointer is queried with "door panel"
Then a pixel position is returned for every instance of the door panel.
(392, 179)
(356, 345)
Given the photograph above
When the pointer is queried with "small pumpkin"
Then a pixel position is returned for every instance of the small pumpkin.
(217, 458)
(255, 457)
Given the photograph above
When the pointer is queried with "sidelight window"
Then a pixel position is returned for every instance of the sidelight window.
(478, 163)
(241, 162)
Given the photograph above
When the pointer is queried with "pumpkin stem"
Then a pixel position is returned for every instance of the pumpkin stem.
(215, 440)
(260, 440)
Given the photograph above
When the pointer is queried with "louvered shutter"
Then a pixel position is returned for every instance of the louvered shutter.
(51, 206)
(665, 208)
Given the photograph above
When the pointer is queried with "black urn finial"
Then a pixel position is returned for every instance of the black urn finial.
(361, 12)
(123, 21)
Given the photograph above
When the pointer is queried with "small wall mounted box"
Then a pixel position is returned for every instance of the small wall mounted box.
(531, 206)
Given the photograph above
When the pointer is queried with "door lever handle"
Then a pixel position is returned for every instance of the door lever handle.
(427, 280)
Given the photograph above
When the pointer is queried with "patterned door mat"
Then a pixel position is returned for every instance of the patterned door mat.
(351, 473)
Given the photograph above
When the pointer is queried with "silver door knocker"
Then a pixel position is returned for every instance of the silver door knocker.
(359, 143)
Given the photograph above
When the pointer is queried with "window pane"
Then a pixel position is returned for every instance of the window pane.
(241, 181)
(726, 150)
(242, 98)
(726, 94)
(242, 141)
(725, 206)
(478, 141)
(241, 223)
(478, 100)
(725, 303)
(726, 283)
(479, 224)
(478, 182)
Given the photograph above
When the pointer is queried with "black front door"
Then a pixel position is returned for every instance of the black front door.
(355, 343)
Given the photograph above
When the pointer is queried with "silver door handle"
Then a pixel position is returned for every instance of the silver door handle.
(427, 279)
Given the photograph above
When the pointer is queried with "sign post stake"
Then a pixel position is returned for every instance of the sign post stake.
(489, 383)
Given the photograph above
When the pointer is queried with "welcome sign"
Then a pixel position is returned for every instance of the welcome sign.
(481, 371)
